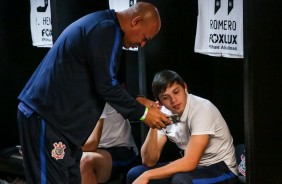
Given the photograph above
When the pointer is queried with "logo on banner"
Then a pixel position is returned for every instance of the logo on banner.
(41, 27)
(221, 39)
(43, 8)
(59, 150)
(220, 28)
(217, 5)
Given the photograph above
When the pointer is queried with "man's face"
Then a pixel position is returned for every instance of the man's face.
(174, 98)
(139, 34)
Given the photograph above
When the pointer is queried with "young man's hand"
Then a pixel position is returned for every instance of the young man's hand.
(142, 179)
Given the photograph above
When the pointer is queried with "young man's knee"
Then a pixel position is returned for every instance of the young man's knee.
(181, 178)
(135, 172)
(85, 162)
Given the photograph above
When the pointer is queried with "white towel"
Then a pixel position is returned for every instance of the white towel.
(220, 28)
(40, 23)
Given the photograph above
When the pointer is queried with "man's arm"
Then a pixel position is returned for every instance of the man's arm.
(146, 102)
(189, 162)
(152, 147)
(154, 118)
(94, 139)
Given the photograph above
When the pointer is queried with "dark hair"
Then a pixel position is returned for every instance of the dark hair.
(164, 79)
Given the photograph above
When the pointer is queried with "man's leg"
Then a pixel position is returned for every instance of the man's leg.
(47, 156)
(30, 128)
(74, 171)
(216, 173)
(123, 159)
(135, 172)
(96, 167)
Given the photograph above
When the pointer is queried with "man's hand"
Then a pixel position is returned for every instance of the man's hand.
(154, 118)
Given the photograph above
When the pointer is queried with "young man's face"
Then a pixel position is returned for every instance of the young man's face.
(174, 98)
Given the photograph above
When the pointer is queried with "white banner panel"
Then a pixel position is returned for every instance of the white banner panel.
(220, 28)
(40, 23)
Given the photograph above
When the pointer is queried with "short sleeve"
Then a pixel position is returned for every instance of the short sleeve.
(104, 113)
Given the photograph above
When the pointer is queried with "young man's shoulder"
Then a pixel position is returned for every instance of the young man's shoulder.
(199, 101)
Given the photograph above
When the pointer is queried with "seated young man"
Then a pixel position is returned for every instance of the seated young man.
(200, 133)
(109, 150)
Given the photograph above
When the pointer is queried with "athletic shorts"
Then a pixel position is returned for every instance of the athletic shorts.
(123, 159)
(48, 157)
(217, 173)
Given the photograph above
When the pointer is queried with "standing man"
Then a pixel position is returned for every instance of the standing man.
(200, 133)
(65, 96)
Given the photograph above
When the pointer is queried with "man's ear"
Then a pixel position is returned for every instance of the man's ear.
(186, 87)
(136, 21)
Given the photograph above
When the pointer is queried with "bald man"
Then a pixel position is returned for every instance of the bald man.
(64, 98)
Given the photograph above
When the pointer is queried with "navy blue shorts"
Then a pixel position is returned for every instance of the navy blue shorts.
(48, 157)
(123, 159)
(217, 173)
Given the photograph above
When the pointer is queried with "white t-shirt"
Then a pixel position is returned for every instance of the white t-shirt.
(200, 117)
(116, 130)
(220, 28)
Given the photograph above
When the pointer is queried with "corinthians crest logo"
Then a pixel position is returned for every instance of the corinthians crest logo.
(59, 150)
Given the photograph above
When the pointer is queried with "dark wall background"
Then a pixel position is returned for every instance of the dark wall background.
(263, 91)
(64, 12)
(18, 59)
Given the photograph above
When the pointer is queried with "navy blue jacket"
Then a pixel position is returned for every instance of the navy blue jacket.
(78, 75)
